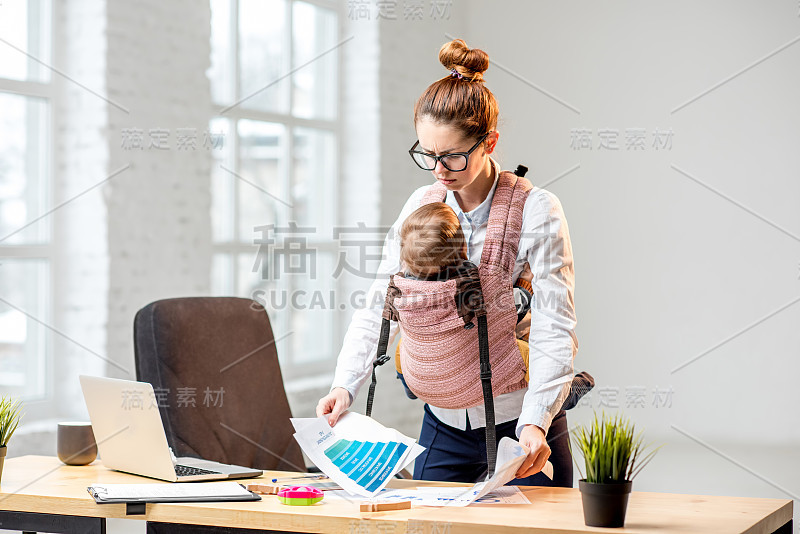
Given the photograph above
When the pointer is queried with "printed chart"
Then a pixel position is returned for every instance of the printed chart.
(359, 454)
(368, 463)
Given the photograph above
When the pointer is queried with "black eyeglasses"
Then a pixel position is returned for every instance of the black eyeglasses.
(454, 161)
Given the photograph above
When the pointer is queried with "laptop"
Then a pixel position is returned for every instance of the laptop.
(130, 435)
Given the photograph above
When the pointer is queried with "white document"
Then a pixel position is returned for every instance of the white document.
(187, 490)
(442, 496)
(510, 456)
(504, 495)
(359, 454)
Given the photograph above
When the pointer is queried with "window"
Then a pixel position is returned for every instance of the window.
(274, 83)
(25, 194)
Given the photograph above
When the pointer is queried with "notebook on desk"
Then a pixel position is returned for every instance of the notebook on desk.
(130, 435)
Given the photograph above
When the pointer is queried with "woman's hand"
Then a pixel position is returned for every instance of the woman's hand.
(526, 273)
(334, 403)
(533, 439)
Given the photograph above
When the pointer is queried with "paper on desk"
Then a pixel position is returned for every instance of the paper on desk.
(501, 495)
(359, 454)
(510, 456)
(442, 496)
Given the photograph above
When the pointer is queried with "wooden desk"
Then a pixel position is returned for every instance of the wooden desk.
(41, 488)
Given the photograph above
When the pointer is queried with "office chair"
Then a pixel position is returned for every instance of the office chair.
(214, 368)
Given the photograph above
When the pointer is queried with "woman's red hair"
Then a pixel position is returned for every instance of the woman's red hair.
(464, 103)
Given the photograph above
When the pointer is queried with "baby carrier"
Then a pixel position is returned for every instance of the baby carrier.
(440, 343)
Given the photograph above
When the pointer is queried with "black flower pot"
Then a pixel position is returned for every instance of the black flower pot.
(3, 451)
(604, 505)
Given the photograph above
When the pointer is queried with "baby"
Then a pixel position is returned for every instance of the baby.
(432, 247)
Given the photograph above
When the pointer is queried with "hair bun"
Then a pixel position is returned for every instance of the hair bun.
(471, 63)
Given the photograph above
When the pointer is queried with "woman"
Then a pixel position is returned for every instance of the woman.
(456, 124)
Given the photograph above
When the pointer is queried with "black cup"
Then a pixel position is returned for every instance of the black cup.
(76, 444)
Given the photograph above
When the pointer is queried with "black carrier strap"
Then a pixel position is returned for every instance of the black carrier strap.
(389, 314)
(488, 397)
(383, 345)
(486, 382)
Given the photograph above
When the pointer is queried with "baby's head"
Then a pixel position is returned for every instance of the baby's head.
(431, 239)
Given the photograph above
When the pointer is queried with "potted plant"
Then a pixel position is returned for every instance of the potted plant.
(9, 419)
(613, 455)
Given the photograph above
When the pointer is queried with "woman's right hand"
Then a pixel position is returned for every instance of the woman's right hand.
(334, 403)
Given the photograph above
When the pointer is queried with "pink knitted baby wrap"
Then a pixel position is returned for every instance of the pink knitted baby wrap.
(438, 355)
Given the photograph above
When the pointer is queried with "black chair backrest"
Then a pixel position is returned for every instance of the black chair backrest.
(213, 364)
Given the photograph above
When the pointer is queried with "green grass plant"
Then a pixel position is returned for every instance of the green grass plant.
(612, 450)
(10, 416)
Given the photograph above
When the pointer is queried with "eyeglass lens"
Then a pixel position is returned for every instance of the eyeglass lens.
(457, 162)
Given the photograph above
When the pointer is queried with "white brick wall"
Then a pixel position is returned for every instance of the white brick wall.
(145, 233)
(81, 161)
(159, 226)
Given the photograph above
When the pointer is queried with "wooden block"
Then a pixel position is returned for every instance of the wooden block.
(378, 506)
(264, 489)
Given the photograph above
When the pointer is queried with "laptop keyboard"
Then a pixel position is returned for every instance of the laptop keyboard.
(186, 471)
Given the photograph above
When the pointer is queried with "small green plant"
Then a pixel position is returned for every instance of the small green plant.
(9, 418)
(611, 451)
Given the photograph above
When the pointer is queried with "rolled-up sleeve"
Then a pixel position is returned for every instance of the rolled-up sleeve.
(359, 348)
(545, 242)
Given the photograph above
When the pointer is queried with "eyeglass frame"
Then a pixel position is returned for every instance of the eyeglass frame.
(438, 159)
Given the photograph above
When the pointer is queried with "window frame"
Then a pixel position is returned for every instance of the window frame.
(44, 405)
(235, 248)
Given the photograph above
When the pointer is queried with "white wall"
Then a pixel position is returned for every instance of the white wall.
(159, 220)
(80, 267)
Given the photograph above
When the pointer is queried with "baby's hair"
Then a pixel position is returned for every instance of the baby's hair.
(431, 239)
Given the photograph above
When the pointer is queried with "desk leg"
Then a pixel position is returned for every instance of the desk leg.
(788, 528)
(58, 524)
